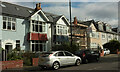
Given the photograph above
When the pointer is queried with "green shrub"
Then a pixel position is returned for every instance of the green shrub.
(27, 58)
(14, 56)
(112, 45)
(27, 62)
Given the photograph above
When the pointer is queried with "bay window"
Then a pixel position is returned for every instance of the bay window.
(38, 46)
(38, 26)
(61, 30)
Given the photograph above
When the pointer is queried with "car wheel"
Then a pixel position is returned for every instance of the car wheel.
(77, 63)
(97, 59)
(86, 61)
(56, 65)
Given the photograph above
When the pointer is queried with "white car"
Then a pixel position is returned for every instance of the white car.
(106, 51)
(56, 59)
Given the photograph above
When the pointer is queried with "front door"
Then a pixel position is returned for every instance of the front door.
(8, 47)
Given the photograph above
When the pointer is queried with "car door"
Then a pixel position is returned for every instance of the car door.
(70, 58)
(107, 51)
(62, 58)
(94, 55)
(89, 56)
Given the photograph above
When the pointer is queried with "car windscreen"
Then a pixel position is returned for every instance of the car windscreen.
(45, 54)
(79, 52)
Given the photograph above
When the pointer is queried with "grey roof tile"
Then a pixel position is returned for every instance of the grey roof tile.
(24, 12)
(16, 10)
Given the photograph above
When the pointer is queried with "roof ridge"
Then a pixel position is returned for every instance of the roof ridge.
(51, 13)
(28, 7)
(17, 5)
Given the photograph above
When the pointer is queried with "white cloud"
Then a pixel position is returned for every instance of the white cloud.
(104, 11)
(113, 22)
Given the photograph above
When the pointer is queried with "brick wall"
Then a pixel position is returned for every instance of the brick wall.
(35, 61)
(12, 64)
(118, 52)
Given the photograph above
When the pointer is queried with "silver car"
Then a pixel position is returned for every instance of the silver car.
(56, 59)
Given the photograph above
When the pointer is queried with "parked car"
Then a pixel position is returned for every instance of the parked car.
(56, 59)
(106, 51)
(88, 55)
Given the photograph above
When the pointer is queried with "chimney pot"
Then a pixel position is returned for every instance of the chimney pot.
(38, 6)
(75, 20)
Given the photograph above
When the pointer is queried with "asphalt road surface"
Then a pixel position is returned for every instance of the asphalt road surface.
(108, 63)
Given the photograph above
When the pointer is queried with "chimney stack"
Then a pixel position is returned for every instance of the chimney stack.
(75, 20)
(38, 7)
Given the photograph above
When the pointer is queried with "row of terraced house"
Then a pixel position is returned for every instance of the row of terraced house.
(93, 34)
(35, 30)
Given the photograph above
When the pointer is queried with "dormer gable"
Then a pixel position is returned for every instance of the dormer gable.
(39, 16)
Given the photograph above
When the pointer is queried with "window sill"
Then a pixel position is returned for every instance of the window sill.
(103, 38)
(9, 30)
(38, 51)
(62, 34)
(40, 32)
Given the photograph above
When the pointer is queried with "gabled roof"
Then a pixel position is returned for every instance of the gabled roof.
(24, 12)
(51, 16)
(115, 29)
(40, 11)
(63, 18)
(88, 23)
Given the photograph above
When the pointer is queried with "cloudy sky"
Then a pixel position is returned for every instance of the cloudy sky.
(83, 10)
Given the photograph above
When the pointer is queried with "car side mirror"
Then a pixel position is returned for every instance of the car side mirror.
(73, 55)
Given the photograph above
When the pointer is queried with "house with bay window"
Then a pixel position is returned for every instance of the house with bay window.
(60, 31)
(29, 29)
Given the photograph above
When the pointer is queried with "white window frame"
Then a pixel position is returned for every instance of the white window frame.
(61, 30)
(13, 20)
(17, 43)
(103, 36)
(38, 23)
(93, 45)
(39, 43)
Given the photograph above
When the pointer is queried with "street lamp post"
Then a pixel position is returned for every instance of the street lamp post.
(70, 21)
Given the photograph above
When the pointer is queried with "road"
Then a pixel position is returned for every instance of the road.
(109, 63)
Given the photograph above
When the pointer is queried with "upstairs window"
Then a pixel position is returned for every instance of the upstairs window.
(103, 36)
(38, 26)
(61, 30)
(9, 23)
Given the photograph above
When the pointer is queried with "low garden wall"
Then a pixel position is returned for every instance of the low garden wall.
(12, 64)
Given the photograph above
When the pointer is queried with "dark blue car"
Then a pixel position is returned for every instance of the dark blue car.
(88, 55)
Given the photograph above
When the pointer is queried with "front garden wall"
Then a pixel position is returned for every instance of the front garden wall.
(12, 64)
